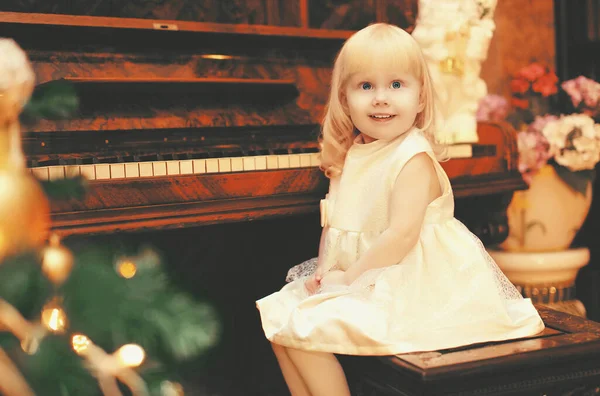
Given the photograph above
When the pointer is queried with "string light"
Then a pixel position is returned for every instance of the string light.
(80, 343)
(54, 317)
(126, 268)
(130, 355)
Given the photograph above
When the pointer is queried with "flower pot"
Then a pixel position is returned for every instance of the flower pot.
(547, 216)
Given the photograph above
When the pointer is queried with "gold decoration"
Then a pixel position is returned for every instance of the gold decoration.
(24, 209)
(456, 43)
(54, 317)
(24, 212)
(126, 268)
(57, 261)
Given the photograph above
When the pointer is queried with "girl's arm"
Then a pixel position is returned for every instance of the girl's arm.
(415, 187)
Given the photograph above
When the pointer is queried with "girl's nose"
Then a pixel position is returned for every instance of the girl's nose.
(380, 98)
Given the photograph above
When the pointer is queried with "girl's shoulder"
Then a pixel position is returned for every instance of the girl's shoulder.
(415, 143)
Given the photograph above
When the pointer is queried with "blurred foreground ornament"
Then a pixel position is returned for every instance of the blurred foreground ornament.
(24, 208)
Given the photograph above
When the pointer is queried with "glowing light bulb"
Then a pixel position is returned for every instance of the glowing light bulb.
(131, 355)
(54, 317)
(80, 343)
(126, 269)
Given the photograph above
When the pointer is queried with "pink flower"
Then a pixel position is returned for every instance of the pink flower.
(571, 87)
(583, 90)
(492, 108)
(534, 152)
(532, 72)
(540, 122)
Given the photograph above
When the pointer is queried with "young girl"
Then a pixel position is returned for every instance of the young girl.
(396, 272)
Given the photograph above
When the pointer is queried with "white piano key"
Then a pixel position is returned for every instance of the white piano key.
(72, 171)
(305, 160)
(56, 172)
(173, 168)
(102, 171)
(199, 166)
(159, 168)
(117, 171)
(315, 159)
(249, 164)
(260, 162)
(284, 161)
(146, 169)
(294, 160)
(132, 170)
(41, 173)
(272, 162)
(186, 167)
(88, 171)
(224, 165)
(212, 165)
(237, 164)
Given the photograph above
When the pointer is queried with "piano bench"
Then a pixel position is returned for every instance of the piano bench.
(562, 360)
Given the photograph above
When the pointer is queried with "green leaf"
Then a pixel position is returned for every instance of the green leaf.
(52, 100)
(577, 181)
(71, 188)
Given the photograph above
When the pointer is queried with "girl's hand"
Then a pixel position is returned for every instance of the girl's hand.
(335, 277)
(313, 282)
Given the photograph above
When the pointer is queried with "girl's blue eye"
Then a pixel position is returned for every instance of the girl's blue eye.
(366, 86)
(396, 85)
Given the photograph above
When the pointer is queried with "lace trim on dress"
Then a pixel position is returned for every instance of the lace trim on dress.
(507, 290)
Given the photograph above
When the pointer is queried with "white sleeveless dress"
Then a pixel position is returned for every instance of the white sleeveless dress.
(446, 292)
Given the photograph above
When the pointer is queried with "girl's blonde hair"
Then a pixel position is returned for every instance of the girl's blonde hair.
(377, 44)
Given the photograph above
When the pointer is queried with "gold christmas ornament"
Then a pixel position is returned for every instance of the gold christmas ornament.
(24, 212)
(24, 209)
(54, 317)
(57, 261)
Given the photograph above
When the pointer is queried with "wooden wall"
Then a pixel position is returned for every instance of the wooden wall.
(524, 33)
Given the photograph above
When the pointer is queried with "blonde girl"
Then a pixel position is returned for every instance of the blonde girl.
(396, 272)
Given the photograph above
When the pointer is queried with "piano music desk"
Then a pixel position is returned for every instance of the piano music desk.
(563, 360)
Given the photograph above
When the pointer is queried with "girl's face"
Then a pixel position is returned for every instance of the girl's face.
(383, 104)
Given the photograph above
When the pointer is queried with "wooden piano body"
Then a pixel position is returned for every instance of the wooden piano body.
(188, 130)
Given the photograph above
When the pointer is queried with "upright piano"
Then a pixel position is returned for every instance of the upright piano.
(201, 138)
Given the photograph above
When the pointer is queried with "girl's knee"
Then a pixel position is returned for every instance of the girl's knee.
(277, 347)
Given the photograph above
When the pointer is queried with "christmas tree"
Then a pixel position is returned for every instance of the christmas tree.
(93, 320)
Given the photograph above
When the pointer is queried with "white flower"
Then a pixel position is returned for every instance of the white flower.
(558, 131)
(574, 141)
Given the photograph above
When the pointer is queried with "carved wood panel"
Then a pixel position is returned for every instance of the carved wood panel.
(356, 14)
(41, 6)
(344, 14)
(254, 12)
(401, 12)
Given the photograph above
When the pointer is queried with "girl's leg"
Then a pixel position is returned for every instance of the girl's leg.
(291, 375)
(322, 373)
